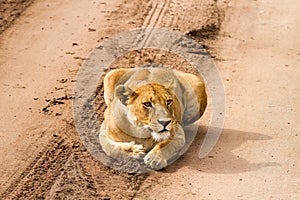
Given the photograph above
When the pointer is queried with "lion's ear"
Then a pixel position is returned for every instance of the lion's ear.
(123, 93)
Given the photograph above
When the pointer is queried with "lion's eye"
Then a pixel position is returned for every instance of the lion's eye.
(147, 104)
(169, 102)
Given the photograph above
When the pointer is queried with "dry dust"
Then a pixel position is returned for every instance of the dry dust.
(256, 45)
(64, 169)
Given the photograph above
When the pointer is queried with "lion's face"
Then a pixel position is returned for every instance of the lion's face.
(153, 107)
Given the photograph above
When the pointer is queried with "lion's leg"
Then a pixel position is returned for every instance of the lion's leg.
(157, 158)
(120, 149)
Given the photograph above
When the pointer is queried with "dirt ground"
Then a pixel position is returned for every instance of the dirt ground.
(255, 45)
(10, 10)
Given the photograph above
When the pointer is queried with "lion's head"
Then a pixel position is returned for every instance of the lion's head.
(152, 106)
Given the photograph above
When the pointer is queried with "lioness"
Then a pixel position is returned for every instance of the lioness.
(146, 109)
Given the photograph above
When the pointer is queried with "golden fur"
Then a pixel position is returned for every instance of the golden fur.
(146, 110)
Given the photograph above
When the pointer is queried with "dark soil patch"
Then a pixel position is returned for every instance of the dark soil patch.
(208, 32)
(10, 10)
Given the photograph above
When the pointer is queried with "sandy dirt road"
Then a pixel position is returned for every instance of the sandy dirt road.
(256, 48)
(257, 156)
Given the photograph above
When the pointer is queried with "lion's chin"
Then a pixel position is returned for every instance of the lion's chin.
(161, 136)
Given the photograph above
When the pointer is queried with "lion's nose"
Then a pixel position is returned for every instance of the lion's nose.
(164, 122)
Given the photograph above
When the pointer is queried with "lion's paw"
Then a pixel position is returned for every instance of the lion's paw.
(137, 151)
(132, 150)
(155, 160)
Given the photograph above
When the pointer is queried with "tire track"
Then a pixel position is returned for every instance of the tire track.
(153, 19)
(52, 160)
(156, 13)
(65, 169)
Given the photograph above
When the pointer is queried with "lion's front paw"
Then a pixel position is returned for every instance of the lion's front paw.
(133, 150)
(155, 160)
(137, 151)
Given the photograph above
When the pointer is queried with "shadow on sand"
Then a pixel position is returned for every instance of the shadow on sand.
(221, 159)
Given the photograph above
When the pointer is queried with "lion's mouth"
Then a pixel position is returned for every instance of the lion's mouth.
(161, 131)
(164, 130)
(161, 135)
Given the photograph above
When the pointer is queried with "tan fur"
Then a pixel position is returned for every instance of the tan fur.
(146, 110)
